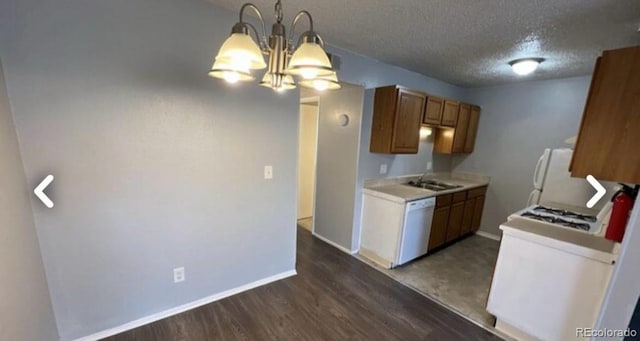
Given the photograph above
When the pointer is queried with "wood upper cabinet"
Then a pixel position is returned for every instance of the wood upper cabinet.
(450, 113)
(460, 133)
(472, 129)
(397, 116)
(399, 112)
(478, 207)
(461, 138)
(433, 111)
(608, 146)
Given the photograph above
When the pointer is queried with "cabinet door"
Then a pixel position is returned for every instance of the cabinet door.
(607, 145)
(439, 227)
(461, 128)
(472, 129)
(455, 221)
(467, 216)
(384, 107)
(450, 113)
(477, 213)
(433, 111)
(406, 130)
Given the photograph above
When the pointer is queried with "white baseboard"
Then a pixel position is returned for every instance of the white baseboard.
(185, 307)
(334, 244)
(488, 235)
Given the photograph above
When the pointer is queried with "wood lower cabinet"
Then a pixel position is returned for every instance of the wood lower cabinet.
(607, 146)
(397, 116)
(455, 221)
(467, 216)
(433, 111)
(456, 215)
(439, 227)
(477, 213)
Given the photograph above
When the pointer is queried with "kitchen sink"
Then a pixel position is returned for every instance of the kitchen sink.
(432, 185)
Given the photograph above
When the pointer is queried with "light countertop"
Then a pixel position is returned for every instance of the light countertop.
(394, 189)
(563, 239)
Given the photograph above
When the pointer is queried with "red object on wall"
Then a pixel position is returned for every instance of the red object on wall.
(622, 205)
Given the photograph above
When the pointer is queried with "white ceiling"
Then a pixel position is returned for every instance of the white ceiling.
(470, 42)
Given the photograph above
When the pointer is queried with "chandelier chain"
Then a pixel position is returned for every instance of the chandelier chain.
(279, 12)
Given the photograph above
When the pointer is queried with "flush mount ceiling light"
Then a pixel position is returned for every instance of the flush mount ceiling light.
(307, 60)
(525, 66)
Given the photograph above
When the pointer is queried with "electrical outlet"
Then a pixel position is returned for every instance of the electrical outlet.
(383, 168)
(268, 172)
(178, 275)
(429, 165)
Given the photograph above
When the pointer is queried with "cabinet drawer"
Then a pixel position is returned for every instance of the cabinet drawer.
(443, 200)
(476, 192)
(459, 196)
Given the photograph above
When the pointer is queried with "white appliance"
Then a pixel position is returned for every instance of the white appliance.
(553, 184)
(416, 229)
(548, 281)
(394, 233)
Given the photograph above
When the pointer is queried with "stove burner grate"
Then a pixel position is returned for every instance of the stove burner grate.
(566, 214)
(558, 221)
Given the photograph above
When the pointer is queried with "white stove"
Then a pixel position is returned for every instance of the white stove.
(561, 217)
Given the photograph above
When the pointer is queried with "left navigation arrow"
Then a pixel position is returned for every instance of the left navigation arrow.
(39, 191)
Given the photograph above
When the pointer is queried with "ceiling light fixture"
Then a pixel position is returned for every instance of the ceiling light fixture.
(308, 61)
(525, 66)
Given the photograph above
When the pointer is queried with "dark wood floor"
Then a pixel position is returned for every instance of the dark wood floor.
(333, 297)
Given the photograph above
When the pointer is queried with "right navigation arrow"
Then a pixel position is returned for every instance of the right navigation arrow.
(600, 191)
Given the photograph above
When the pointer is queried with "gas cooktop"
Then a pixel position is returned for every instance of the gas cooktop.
(565, 213)
(560, 217)
(557, 221)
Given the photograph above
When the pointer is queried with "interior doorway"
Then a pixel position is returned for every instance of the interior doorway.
(307, 160)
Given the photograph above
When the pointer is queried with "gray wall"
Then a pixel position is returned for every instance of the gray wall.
(337, 164)
(157, 165)
(517, 122)
(25, 307)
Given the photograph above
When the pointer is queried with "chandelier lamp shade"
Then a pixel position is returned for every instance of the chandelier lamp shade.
(307, 61)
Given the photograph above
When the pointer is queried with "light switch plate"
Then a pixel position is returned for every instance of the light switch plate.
(383, 168)
(178, 275)
(268, 172)
(429, 165)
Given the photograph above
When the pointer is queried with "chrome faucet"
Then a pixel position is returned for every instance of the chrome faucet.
(421, 177)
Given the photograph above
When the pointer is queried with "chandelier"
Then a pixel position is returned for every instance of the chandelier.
(308, 62)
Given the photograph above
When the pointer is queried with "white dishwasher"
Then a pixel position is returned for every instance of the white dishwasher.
(393, 231)
(416, 230)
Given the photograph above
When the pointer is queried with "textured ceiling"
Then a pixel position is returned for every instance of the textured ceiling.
(470, 42)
